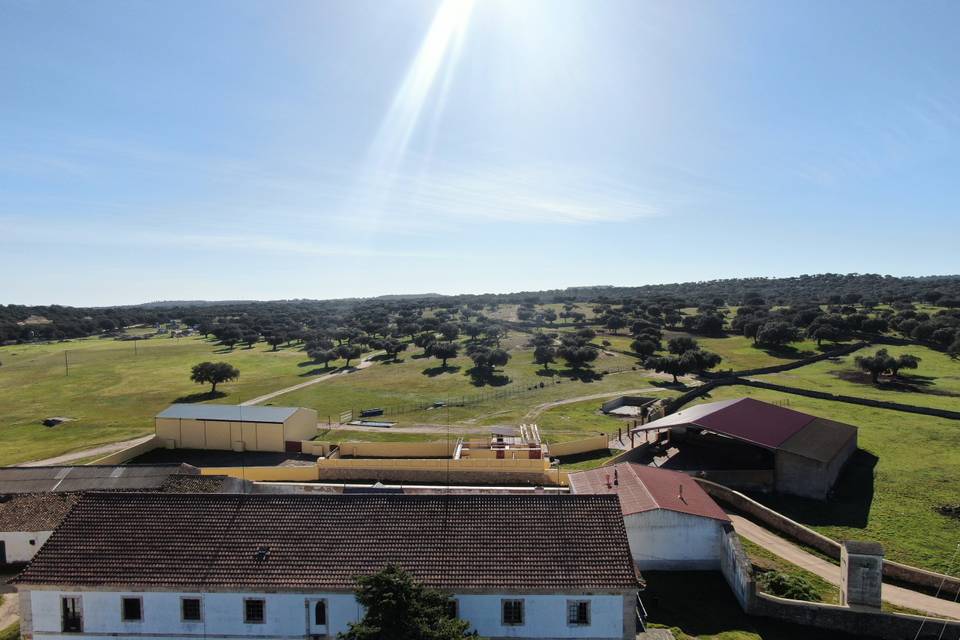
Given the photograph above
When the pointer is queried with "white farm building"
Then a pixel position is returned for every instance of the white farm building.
(265, 566)
(672, 524)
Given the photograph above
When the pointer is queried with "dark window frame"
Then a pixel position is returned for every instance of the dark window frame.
(246, 610)
(578, 613)
(123, 608)
(76, 618)
(512, 612)
(183, 608)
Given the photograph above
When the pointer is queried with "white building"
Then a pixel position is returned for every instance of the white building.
(672, 524)
(284, 566)
(27, 520)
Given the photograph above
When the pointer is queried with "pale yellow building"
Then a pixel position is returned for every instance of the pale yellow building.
(235, 427)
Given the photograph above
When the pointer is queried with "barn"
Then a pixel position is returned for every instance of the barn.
(235, 428)
(801, 453)
(672, 524)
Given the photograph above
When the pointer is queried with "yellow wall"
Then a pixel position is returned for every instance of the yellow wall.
(215, 434)
(596, 443)
(441, 449)
(302, 425)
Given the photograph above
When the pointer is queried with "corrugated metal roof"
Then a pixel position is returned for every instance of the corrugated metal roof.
(820, 439)
(643, 488)
(228, 412)
(63, 479)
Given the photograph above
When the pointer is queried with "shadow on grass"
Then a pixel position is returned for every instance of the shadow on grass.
(389, 361)
(319, 371)
(701, 604)
(904, 383)
(480, 377)
(583, 374)
(419, 356)
(200, 397)
(589, 460)
(848, 506)
(548, 373)
(783, 351)
(436, 371)
(670, 384)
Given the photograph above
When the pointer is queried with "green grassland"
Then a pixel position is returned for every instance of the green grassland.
(890, 491)
(935, 383)
(582, 420)
(113, 392)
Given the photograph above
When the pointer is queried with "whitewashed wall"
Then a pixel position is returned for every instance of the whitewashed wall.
(18, 547)
(672, 541)
(286, 615)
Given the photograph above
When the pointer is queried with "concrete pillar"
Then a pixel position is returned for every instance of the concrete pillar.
(861, 573)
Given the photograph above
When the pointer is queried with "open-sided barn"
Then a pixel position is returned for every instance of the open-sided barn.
(806, 453)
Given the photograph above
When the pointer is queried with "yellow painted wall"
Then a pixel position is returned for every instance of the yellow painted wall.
(595, 443)
(398, 449)
(218, 436)
(302, 425)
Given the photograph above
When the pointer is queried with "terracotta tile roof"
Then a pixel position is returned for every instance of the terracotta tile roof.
(643, 488)
(457, 542)
(34, 511)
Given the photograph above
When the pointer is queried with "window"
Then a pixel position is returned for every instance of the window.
(320, 613)
(190, 610)
(578, 612)
(253, 610)
(71, 614)
(513, 612)
(453, 608)
(131, 610)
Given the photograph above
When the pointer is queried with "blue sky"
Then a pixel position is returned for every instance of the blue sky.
(221, 150)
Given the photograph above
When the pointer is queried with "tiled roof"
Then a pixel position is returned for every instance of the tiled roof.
(88, 477)
(228, 412)
(34, 511)
(641, 488)
(456, 542)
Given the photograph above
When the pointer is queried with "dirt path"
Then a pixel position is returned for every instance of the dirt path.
(102, 450)
(540, 408)
(9, 610)
(363, 364)
(831, 572)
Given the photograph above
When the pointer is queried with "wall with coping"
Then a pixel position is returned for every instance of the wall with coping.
(585, 445)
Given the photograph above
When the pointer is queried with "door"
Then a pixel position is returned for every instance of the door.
(3, 552)
(71, 614)
(317, 624)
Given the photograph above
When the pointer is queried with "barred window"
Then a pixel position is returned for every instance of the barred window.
(578, 612)
(253, 611)
(513, 612)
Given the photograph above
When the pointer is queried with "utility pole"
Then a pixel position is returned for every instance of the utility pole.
(66, 365)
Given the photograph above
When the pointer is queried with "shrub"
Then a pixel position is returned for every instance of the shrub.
(788, 585)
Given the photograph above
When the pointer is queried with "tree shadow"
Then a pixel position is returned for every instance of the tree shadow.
(436, 371)
(583, 374)
(783, 351)
(905, 383)
(318, 371)
(223, 350)
(670, 384)
(482, 377)
(200, 397)
(382, 357)
(548, 373)
(389, 361)
(848, 505)
(419, 356)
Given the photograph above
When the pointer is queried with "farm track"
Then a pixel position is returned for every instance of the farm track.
(102, 450)
(831, 572)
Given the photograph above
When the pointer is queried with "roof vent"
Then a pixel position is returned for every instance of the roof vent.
(262, 553)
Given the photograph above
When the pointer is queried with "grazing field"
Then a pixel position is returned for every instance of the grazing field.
(583, 419)
(891, 489)
(113, 392)
(935, 383)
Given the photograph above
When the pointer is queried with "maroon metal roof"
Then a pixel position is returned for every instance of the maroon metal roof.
(641, 488)
(753, 421)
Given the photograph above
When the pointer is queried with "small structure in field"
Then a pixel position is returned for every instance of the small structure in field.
(235, 427)
(671, 522)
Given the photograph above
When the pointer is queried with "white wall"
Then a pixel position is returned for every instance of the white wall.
(286, 615)
(18, 547)
(668, 540)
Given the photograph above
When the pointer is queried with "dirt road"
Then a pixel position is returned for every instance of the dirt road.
(102, 450)
(363, 364)
(540, 408)
(831, 572)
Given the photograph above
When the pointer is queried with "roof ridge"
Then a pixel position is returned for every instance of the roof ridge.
(643, 484)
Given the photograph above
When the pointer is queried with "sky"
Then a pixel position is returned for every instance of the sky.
(244, 149)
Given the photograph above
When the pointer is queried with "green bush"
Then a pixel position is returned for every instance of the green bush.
(787, 585)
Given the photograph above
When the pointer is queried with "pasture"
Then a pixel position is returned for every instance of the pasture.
(890, 491)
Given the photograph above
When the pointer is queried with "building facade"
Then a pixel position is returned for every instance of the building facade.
(283, 566)
(235, 427)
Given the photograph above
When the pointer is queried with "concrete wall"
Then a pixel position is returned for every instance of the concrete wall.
(21, 546)
(670, 541)
(302, 425)
(440, 449)
(130, 453)
(736, 567)
(800, 476)
(913, 576)
(286, 615)
(221, 435)
(574, 447)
